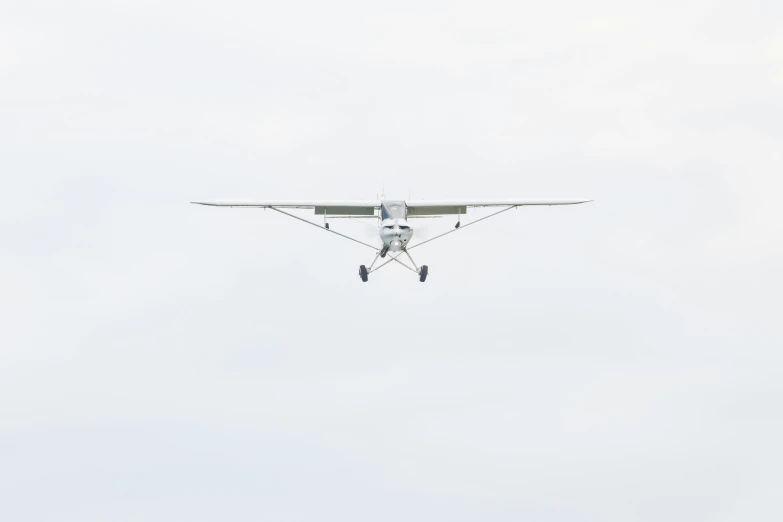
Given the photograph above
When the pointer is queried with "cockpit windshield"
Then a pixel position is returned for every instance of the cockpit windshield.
(393, 210)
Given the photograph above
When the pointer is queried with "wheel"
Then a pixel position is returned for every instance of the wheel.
(384, 250)
(327, 226)
(363, 273)
(423, 273)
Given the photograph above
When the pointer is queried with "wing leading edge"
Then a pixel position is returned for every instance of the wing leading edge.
(368, 208)
(334, 208)
(430, 208)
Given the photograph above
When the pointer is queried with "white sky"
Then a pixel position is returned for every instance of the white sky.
(618, 361)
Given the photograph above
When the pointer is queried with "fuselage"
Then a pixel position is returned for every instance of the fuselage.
(395, 230)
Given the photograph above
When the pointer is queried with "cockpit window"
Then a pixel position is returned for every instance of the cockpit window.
(393, 210)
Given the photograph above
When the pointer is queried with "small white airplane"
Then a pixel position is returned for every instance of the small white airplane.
(391, 218)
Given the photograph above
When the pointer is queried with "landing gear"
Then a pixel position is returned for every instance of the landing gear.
(327, 226)
(422, 271)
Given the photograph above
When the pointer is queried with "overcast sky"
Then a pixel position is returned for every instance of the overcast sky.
(617, 361)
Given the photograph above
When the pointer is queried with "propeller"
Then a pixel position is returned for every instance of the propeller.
(367, 228)
(424, 228)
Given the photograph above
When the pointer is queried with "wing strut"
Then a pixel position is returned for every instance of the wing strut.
(319, 227)
(463, 227)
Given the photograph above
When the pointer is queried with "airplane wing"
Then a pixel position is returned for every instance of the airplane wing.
(432, 208)
(330, 208)
(416, 208)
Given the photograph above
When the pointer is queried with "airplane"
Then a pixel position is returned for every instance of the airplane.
(392, 217)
